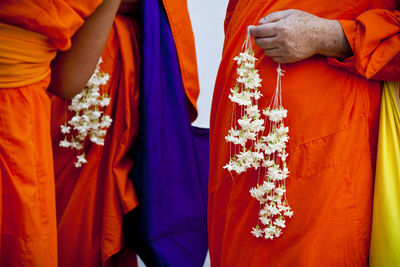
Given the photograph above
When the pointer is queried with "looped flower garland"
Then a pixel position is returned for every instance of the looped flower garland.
(252, 149)
(89, 119)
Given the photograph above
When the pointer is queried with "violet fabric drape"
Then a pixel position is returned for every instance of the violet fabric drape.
(169, 228)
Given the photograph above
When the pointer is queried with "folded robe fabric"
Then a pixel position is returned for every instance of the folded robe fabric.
(25, 56)
(92, 200)
(27, 200)
(385, 237)
(58, 20)
(170, 175)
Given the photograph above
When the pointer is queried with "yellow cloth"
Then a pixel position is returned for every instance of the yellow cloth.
(25, 56)
(385, 240)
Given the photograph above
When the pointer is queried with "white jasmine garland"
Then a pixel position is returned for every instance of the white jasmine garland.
(252, 149)
(89, 120)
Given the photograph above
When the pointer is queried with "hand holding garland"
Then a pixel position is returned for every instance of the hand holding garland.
(293, 35)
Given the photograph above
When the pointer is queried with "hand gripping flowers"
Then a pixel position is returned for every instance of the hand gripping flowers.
(252, 148)
(89, 119)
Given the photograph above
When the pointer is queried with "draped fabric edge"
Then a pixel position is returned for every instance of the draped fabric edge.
(386, 208)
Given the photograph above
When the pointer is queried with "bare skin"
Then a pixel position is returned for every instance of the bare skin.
(293, 35)
(73, 68)
(129, 7)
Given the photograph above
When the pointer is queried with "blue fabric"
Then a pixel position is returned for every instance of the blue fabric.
(169, 228)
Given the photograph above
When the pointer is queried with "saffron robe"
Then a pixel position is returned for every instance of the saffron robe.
(27, 198)
(92, 200)
(181, 30)
(333, 112)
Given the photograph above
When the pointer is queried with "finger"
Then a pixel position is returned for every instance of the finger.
(279, 60)
(274, 52)
(266, 43)
(265, 30)
(283, 60)
(275, 16)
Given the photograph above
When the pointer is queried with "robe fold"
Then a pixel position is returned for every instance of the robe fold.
(333, 113)
(28, 216)
(169, 227)
(27, 198)
(58, 20)
(181, 30)
(92, 200)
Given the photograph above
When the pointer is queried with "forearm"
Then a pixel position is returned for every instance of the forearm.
(73, 68)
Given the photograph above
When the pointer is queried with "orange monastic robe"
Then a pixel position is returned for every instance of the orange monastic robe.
(333, 119)
(92, 200)
(27, 198)
(181, 28)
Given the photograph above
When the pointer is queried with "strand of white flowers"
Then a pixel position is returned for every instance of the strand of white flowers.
(279, 81)
(280, 73)
(249, 44)
(275, 97)
(230, 145)
(278, 222)
(90, 121)
(242, 87)
(249, 47)
(278, 95)
(279, 104)
(267, 230)
(276, 101)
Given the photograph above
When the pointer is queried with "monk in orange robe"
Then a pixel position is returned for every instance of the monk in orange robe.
(330, 88)
(92, 199)
(30, 34)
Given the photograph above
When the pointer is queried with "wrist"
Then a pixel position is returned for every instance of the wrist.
(333, 40)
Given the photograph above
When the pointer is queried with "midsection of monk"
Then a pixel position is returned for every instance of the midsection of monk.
(333, 120)
(319, 93)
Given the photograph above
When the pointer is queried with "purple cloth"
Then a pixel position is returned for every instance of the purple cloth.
(169, 228)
